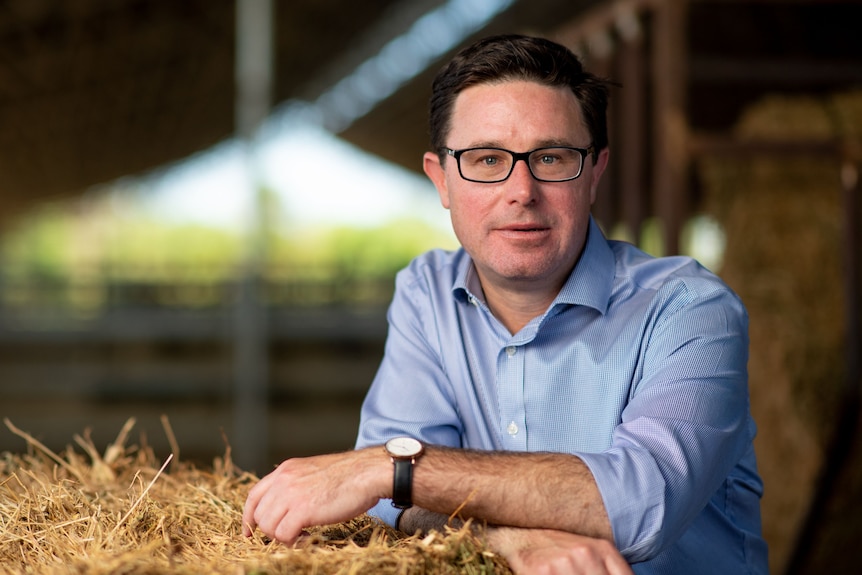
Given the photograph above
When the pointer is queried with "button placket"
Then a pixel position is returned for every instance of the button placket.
(510, 382)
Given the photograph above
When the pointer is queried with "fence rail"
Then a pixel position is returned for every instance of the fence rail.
(93, 295)
(63, 367)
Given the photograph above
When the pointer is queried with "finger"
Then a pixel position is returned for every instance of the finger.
(288, 529)
(617, 565)
(620, 567)
(248, 522)
(251, 504)
(269, 512)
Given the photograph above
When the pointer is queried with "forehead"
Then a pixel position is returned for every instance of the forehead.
(517, 112)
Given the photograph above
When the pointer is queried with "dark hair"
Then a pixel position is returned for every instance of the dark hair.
(517, 57)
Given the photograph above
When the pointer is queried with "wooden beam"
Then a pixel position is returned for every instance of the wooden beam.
(598, 20)
(785, 72)
(701, 144)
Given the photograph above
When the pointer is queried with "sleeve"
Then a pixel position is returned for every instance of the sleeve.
(687, 423)
(411, 393)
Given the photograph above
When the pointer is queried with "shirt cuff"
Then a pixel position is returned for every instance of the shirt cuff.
(632, 490)
(386, 513)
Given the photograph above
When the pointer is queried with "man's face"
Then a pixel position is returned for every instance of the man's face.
(521, 233)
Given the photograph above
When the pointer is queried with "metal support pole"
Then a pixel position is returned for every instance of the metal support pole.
(254, 63)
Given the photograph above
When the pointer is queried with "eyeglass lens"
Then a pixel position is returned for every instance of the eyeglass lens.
(549, 164)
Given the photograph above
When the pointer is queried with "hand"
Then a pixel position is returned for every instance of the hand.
(550, 552)
(319, 490)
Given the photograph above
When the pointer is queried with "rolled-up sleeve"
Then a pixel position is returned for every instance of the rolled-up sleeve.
(411, 394)
(686, 425)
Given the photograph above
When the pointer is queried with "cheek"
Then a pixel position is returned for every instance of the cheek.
(466, 217)
(583, 198)
(460, 223)
(574, 212)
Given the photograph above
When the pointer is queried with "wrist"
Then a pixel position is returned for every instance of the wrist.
(403, 452)
(373, 471)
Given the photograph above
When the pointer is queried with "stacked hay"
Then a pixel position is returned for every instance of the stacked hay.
(123, 512)
(784, 223)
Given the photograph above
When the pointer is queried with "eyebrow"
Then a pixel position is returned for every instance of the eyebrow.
(550, 143)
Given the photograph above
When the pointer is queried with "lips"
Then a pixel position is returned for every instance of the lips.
(524, 228)
(532, 232)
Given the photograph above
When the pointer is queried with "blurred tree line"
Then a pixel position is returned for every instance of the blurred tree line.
(76, 254)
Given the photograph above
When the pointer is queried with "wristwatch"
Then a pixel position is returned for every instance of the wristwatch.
(403, 451)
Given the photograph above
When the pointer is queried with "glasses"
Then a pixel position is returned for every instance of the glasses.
(492, 165)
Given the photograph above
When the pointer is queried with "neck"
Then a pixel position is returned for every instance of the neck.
(515, 308)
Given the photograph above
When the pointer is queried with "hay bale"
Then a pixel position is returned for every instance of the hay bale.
(783, 221)
(124, 512)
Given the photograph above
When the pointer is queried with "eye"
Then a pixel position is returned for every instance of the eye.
(486, 159)
(489, 159)
(548, 159)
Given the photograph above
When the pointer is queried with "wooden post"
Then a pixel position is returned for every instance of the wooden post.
(845, 437)
(600, 63)
(631, 149)
(670, 161)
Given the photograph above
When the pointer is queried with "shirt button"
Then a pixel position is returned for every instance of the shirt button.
(511, 350)
(512, 429)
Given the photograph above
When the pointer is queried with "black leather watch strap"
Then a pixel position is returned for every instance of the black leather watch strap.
(402, 484)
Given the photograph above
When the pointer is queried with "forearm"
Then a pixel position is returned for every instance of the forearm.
(531, 550)
(417, 519)
(551, 551)
(534, 490)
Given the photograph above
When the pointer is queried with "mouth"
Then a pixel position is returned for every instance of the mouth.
(525, 228)
(531, 232)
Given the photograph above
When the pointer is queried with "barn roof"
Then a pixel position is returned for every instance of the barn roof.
(97, 89)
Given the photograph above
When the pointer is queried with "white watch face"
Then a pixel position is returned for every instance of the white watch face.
(403, 447)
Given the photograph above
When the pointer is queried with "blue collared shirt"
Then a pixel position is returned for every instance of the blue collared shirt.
(638, 367)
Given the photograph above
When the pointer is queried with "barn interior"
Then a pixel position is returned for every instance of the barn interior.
(749, 111)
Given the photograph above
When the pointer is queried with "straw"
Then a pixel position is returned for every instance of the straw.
(126, 513)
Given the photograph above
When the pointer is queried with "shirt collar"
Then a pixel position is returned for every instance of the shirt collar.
(592, 280)
(589, 284)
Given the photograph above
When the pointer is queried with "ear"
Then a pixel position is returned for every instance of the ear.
(596, 173)
(437, 175)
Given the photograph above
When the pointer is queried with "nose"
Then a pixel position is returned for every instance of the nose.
(521, 186)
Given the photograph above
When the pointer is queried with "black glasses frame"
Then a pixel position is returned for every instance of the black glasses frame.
(517, 156)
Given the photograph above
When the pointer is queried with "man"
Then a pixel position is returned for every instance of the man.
(586, 401)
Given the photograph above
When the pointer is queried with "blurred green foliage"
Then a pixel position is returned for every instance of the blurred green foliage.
(69, 255)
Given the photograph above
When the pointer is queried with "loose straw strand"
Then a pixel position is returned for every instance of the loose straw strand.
(41, 446)
(141, 498)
